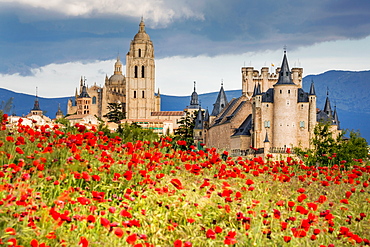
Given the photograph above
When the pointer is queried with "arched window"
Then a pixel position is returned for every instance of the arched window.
(94, 100)
(143, 94)
(139, 52)
(134, 94)
(135, 72)
(142, 71)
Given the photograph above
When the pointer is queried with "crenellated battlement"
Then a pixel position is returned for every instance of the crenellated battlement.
(251, 77)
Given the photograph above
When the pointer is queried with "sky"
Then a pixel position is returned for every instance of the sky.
(51, 44)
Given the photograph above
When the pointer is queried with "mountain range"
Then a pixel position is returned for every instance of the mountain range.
(347, 91)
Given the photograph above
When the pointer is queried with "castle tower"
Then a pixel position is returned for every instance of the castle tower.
(140, 76)
(285, 108)
(312, 109)
(198, 127)
(220, 103)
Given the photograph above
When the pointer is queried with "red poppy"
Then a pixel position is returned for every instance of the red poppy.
(177, 183)
(118, 231)
(218, 229)
(210, 234)
(10, 230)
(104, 222)
(34, 243)
(84, 242)
(287, 239)
(131, 239)
(177, 243)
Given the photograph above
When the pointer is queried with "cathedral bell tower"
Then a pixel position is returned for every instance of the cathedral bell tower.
(140, 76)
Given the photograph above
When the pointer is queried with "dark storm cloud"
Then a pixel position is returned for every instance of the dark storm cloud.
(230, 27)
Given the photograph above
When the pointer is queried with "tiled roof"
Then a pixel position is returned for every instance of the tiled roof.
(167, 113)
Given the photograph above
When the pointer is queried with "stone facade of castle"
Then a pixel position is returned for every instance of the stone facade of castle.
(272, 114)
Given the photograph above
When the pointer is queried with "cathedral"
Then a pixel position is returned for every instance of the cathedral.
(134, 92)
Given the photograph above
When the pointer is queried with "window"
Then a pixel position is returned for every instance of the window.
(94, 100)
(288, 91)
(139, 52)
(301, 124)
(142, 94)
(134, 94)
(287, 102)
(142, 71)
(267, 124)
(135, 72)
(281, 91)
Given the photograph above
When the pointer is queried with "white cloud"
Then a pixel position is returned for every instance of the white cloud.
(160, 12)
(175, 75)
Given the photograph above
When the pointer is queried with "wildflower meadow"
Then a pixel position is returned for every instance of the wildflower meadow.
(80, 187)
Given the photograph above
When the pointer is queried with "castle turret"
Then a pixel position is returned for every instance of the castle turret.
(312, 109)
(220, 103)
(285, 108)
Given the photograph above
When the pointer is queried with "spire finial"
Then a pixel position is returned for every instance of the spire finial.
(284, 48)
(194, 85)
(222, 82)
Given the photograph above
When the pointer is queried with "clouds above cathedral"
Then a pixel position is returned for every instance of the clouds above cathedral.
(36, 33)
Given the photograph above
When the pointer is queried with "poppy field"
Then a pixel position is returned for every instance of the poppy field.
(80, 187)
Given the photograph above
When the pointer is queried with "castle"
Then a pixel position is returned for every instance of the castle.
(273, 114)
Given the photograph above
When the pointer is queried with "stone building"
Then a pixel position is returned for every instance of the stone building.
(134, 92)
(272, 114)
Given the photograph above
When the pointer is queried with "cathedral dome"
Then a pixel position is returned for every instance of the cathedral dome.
(117, 79)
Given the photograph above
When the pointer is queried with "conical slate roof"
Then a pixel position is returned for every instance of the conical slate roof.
(199, 120)
(312, 89)
(206, 116)
(220, 103)
(335, 118)
(285, 74)
(327, 107)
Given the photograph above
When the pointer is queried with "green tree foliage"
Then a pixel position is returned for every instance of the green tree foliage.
(186, 127)
(328, 150)
(355, 147)
(63, 121)
(116, 112)
(134, 132)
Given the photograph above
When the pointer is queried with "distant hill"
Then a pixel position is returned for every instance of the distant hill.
(348, 91)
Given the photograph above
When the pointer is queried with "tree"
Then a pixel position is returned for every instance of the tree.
(133, 132)
(328, 151)
(355, 147)
(116, 112)
(186, 127)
